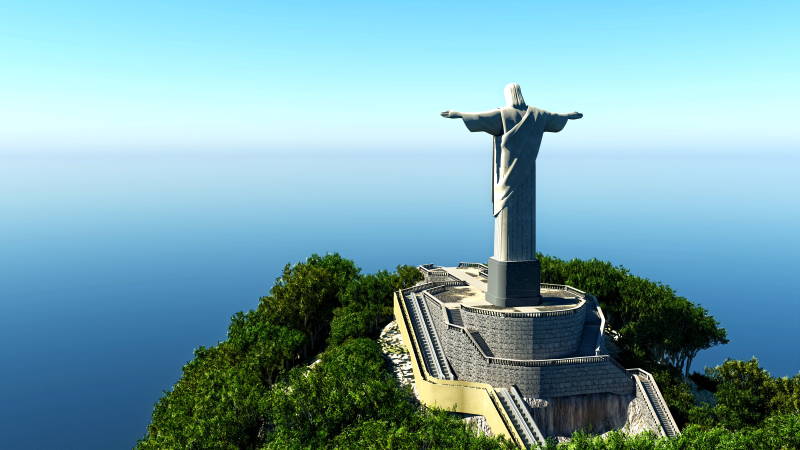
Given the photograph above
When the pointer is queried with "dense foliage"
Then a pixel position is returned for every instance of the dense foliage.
(260, 389)
(642, 313)
(256, 390)
(777, 432)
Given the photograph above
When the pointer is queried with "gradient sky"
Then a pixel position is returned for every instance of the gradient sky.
(152, 76)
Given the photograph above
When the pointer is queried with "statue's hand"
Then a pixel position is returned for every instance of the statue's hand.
(451, 114)
(575, 115)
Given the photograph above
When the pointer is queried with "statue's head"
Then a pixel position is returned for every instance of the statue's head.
(513, 94)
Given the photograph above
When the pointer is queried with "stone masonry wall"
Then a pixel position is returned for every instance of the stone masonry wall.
(536, 382)
(544, 337)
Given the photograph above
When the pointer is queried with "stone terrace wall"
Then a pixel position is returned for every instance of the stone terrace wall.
(533, 382)
(545, 337)
(536, 382)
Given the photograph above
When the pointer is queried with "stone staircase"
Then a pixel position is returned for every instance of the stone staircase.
(478, 339)
(454, 317)
(431, 348)
(665, 417)
(520, 416)
(657, 403)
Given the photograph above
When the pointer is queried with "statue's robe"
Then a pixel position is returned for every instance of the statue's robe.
(516, 140)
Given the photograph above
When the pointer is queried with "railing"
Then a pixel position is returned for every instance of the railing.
(469, 265)
(436, 302)
(490, 312)
(421, 287)
(548, 362)
(562, 287)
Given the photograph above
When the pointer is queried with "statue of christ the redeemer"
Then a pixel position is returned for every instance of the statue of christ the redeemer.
(516, 131)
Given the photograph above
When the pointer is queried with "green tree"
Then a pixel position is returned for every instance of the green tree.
(367, 304)
(637, 309)
(786, 395)
(407, 276)
(429, 429)
(305, 296)
(744, 393)
(273, 348)
(355, 321)
(349, 384)
(215, 404)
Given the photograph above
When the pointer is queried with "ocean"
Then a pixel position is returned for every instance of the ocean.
(114, 267)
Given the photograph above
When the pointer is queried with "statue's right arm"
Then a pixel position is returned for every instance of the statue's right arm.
(488, 121)
(451, 114)
(571, 116)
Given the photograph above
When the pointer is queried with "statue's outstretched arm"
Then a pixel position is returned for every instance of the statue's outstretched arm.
(572, 115)
(488, 121)
(557, 122)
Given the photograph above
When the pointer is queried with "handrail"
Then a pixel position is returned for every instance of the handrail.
(463, 265)
(516, 314)
(439, 286)
(563, 287)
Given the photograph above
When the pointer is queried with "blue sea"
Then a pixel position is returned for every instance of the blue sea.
(114, 267)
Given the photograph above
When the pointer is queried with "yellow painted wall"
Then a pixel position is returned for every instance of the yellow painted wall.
(454, 395)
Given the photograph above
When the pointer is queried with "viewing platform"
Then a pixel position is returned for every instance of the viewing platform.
(551, 356)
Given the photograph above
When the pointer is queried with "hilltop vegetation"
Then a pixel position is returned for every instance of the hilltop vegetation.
(255, 389)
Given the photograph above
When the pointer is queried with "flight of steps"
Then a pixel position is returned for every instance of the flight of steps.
(664, 417)
(431, 348)
(454, 317)
(520, 416)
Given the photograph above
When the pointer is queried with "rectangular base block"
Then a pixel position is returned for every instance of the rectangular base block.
(513, 283)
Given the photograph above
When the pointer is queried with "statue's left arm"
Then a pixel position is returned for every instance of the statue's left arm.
(557, 122)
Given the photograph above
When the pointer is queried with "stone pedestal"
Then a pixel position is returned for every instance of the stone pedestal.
(513, 283)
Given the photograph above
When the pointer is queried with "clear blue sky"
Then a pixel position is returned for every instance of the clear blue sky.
(151, 76)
